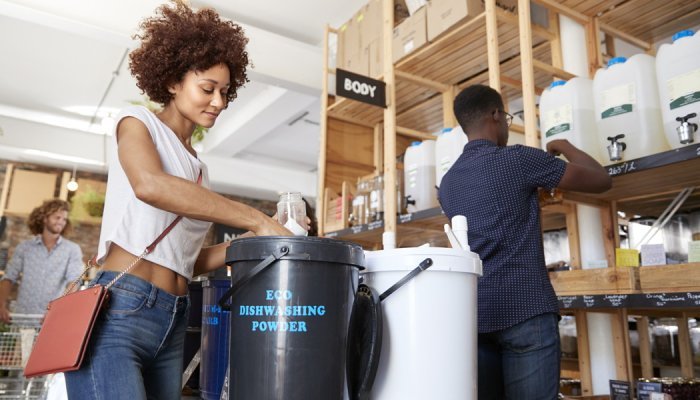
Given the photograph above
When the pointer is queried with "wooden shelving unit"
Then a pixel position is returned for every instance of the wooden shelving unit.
(507, 52)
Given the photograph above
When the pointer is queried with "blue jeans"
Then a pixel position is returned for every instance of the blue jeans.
(136, 348)
(521, 362)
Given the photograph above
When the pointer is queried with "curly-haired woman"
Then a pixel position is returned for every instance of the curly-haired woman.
(43, 265)
(193, 63)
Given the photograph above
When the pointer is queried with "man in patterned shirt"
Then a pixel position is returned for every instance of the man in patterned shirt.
(495, 187)
(47, 263)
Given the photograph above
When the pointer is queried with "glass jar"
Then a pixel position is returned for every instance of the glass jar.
(665, 337)
(695, 340)
(634, 340)
(676, 237)
(567, 335)
(376, 199)
(695, 224)
(291, 212)
(360, 205)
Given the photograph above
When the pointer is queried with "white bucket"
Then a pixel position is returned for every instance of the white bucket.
(429, 344)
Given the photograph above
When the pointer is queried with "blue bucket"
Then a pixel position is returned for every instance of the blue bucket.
(215, 339)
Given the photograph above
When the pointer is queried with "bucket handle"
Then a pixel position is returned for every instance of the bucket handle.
(283, 251)
(425, 264)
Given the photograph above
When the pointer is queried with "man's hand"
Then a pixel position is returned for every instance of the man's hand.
(557, 147)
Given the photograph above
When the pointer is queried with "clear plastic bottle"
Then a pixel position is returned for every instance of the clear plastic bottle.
(376, 199)
(678, 78)
(626, 100)
(360, 204)
(291, 212)
(419, 175)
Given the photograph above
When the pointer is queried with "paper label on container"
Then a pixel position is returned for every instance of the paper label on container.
(591, 264)
(445, 164)
(684, 89)
(408, 47)
(558, 120)
(626, 258)
(412, 175)
(694, 251)
(618, 100)
(653, 254)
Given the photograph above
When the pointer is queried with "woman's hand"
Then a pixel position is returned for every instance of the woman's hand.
(271, 228)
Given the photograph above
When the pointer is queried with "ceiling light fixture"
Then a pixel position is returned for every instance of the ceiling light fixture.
(72, 185)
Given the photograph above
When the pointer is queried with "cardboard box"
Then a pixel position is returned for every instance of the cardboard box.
(443, 14)
(371, 26)
(410, 35)
(351, 55)
(415, 5)
(376, 59)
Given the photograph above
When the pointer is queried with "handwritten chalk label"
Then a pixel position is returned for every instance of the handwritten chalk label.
(620, 390)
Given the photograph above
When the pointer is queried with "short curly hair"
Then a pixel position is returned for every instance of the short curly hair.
(37, 216)
(178, 40)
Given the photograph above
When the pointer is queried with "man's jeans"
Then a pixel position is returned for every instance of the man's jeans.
(521, 362)
(136, 349)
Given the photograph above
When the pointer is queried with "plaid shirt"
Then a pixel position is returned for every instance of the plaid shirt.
(44, 274)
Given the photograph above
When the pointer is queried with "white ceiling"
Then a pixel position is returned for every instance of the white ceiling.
(59, 58)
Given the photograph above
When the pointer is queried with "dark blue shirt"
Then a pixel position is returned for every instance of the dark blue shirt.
(496, 189)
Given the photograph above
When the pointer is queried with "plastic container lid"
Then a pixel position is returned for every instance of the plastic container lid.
(406, 259)
(446, 130)
(682, 34)
(300, 248)
(416, 143)
(616, 60)
(557, 83)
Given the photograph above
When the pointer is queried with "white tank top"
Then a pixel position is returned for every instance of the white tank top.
(133, 224)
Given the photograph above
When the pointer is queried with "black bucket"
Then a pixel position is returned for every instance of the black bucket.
(290, 316)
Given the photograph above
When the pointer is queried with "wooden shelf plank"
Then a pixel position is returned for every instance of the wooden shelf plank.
(638, 301)
(648, 20)
(451, 59)
(635, 181)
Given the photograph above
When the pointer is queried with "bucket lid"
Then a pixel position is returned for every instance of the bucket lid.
(406, 259)
(557, 83)
(416, 143)
(616, 60)
(300, 248)
(364, 343)
(682, 34)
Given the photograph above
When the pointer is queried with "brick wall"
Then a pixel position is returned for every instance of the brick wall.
(87, 234)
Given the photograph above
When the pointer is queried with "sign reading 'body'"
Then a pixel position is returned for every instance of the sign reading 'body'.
(360, 88)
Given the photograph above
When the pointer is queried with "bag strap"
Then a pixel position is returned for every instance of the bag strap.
(93, 261)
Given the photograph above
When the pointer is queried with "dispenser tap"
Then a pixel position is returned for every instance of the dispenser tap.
(410, 201)
(686, 130)
(616, 147)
